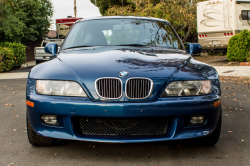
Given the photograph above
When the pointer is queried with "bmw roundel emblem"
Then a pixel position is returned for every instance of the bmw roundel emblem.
(123, 74)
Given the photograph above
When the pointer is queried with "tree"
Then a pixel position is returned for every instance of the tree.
(180, 13)
(104, 5)
(1, 2)
(25, 21)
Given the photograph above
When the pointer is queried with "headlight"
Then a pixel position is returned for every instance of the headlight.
(59, 88)
(187, 88)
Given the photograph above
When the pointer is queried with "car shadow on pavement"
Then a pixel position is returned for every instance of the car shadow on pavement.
(134, 151)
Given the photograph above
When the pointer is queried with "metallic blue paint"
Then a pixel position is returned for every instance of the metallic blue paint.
(51, 48)
(159, 64)
(85, 65)
(176, 107)
(194, 48)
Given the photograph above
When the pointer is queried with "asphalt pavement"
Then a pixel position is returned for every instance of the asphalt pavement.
(233, 148)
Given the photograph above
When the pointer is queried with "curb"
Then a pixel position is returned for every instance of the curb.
(244, 63)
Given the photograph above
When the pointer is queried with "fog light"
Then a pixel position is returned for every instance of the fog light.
(50, 120)
(197, 120)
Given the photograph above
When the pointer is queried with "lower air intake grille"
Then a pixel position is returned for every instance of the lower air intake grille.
(124, 126)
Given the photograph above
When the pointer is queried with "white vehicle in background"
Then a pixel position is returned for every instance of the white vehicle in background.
(40, 54)
(63, 26)
(219, 20)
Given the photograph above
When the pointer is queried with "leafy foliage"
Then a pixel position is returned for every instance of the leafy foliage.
(239, 46)
(104, 5)
(6, 59)
(180, 13)
(19, 51)
(248, 56)
(25, 21)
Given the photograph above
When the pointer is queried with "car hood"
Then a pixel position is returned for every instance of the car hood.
(85, 65)
(108, 62)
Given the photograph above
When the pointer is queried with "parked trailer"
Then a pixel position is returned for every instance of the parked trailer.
(218, 21)
(63, 26)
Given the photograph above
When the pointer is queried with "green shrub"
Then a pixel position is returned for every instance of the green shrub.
(19, 51)
(6, 59)
(239, 46)
(248, 56)
(186, 45)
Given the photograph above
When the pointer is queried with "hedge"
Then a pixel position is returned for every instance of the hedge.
(19, 51)
(7, 61)
(239, 47)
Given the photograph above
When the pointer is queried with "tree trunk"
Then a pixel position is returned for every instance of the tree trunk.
(185, 38)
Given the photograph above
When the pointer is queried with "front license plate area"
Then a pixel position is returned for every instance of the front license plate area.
(215, 42)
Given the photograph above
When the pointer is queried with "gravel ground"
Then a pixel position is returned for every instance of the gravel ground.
(216, 60)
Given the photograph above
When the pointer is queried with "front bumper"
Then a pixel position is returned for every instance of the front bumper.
(207, 43)
(42, 58)
(176, 109)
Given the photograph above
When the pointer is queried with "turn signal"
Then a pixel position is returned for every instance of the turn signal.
(217, 103)
(29, 103)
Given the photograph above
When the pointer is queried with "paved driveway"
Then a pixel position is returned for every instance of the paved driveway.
(232, 149)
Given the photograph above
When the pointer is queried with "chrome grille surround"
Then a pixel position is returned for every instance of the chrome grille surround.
(139, 92)
(113, 87)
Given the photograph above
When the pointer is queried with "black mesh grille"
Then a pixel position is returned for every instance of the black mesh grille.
(138, 88)
(124, 126)
(109, 88)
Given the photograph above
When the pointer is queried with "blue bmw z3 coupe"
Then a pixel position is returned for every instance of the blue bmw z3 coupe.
(123, 80)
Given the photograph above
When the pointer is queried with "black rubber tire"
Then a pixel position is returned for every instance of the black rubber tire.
(213, 138)
(39, 61)
(37, 140)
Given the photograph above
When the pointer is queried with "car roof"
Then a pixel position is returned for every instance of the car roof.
(123, 17)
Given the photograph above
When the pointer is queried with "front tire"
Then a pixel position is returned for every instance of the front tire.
(35, 139)
(39, 61)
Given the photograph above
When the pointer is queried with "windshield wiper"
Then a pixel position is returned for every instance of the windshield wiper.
(77, 47)
(138, 45)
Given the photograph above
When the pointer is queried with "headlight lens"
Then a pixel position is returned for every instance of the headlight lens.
(59, 88)
(187, 88)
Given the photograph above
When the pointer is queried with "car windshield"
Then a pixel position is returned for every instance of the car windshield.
(122, 32)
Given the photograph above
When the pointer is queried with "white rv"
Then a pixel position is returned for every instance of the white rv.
(219, 20)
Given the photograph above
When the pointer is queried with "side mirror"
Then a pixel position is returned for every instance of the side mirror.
(51, 48)
(194, 48)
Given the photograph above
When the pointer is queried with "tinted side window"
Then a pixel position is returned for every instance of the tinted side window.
(43, 44)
